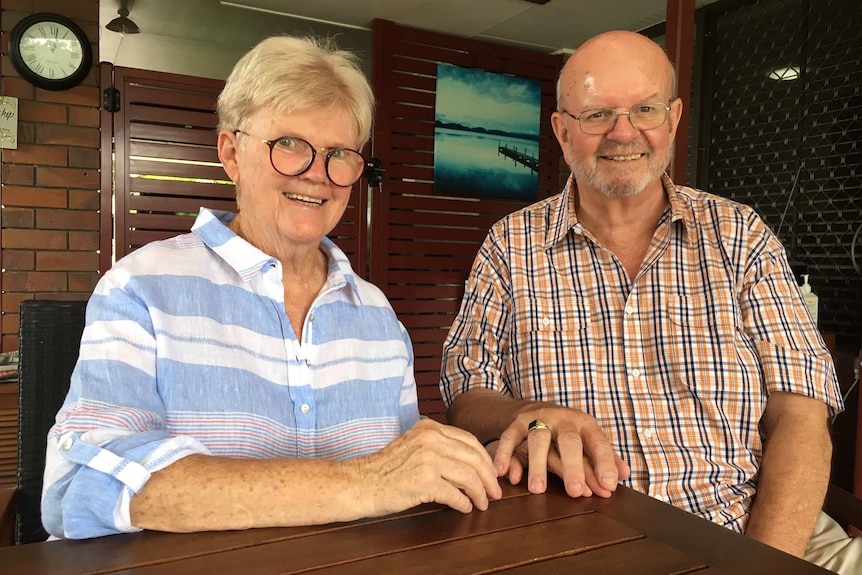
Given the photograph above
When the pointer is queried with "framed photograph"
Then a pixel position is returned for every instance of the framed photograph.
(486, 134)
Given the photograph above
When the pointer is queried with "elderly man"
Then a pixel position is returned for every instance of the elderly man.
(632, 330)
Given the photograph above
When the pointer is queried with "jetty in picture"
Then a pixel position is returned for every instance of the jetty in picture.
(519, 157)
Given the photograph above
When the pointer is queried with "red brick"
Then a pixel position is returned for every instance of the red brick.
(11, 17)
(84, 158)
(17, 87)
(10, 323)
(67, 135)
(35, 197)
(83, 282)
(84, 116)
(32, 111)
(35, 154)
(34, 239)
(22, 175)
(82, 11)
(18, 5)
(17, 218)
(84, 200)
(34, 281)
(83, 241)
(9, 342)
(67, 178)
(81, 95)
(65, 296)
(66, 220)
(26, 133)
(11, 301)
(67, 261)
(18, 260)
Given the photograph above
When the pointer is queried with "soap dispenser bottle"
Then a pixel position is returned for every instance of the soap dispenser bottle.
(810, 298)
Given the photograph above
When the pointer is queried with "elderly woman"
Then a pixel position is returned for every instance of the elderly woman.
(242, 375)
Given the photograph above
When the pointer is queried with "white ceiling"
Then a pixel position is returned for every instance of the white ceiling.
(559, 24)
(206, 37)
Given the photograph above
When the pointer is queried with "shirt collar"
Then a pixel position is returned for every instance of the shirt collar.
(211, 226)
(564, 216)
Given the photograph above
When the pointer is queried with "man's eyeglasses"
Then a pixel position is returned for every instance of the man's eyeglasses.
(292, 156)
(600, 121)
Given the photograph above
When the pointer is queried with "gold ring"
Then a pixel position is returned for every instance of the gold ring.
(536, 424)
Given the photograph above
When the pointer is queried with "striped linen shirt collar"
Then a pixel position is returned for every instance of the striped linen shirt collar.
(211, 227)
(563, 215)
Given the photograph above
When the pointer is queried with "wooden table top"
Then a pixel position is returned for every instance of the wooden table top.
(521, 534)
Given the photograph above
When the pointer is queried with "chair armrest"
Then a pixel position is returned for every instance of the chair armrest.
(7, 516)
(843, 507)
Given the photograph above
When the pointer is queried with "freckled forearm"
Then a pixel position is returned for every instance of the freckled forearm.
(202, 493)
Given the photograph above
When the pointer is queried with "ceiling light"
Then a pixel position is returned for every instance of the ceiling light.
(123, 24)
(780, 74)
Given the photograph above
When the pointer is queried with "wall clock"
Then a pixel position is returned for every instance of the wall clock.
(50, 51)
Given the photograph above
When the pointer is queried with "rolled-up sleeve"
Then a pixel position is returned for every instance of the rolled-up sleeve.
(793, 355)
(109, 435)
(476, 349)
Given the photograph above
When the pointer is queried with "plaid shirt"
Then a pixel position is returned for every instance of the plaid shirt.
(676, 365)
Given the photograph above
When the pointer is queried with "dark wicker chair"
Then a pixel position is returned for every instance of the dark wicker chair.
(49, 341)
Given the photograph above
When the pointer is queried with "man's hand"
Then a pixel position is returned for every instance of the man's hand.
(429, 463)
(573, 447)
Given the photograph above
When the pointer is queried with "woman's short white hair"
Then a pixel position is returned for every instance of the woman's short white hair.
(286, 73)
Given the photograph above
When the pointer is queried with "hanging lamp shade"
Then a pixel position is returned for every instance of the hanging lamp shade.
(122, 24)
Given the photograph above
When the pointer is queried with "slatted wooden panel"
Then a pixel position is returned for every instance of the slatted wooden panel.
(8, 433)
(166, 130)
(423, 244)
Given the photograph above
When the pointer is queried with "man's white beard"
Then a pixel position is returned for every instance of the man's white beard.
(621, 187)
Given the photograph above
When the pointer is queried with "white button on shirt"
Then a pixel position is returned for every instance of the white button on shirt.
(635, 373)
(305, 408)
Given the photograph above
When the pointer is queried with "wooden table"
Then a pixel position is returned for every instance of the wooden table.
(628, 534)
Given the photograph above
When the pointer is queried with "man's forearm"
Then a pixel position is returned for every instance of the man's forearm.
(793, 480)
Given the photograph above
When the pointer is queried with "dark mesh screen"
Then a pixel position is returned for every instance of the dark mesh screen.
(790, 148)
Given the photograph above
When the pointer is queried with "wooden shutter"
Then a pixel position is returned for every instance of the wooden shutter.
(423, 244)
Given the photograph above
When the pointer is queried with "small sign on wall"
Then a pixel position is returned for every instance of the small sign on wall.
(8, 122)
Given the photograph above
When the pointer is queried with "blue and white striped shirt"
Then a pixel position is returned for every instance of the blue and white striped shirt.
(188, 349)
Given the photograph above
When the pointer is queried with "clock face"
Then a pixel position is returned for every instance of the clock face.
(50, 51)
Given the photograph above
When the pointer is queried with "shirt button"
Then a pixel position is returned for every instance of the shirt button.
(546, 321)
(636, 373)
(630, 310)
(307, 363)
(67, 444)
(648, 433)
(577, 229)
(311, 316)
(305, 408)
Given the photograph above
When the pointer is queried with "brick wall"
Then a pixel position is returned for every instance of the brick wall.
(49, 186)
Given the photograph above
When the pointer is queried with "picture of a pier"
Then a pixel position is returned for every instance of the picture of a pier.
(519, 157)
(486, 134)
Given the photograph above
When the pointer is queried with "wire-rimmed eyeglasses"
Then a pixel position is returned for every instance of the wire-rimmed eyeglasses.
(292, 156)
(598, 121)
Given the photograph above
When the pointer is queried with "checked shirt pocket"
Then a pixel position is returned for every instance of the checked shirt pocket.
(550, 355)
(701, 334)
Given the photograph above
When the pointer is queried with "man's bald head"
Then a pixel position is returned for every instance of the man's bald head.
(606, 50)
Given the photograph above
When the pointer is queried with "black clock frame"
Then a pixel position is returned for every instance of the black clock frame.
(39, 81)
